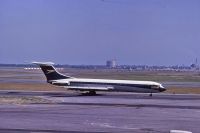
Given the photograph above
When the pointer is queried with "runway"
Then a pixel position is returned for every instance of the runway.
(104, 113)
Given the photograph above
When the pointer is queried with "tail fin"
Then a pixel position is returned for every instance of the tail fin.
(49, 71)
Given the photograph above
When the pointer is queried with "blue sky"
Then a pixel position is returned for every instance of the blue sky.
(152, 32)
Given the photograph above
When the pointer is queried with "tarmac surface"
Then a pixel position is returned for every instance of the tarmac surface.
(104, 113)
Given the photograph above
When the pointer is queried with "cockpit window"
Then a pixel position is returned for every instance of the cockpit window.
(155, 86)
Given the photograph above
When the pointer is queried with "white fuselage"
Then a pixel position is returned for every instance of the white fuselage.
(109, 85)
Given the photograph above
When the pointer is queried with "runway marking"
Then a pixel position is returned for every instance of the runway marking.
(107, 125)
(111, 126)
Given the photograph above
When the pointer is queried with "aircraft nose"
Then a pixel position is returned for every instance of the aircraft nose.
(161, 88)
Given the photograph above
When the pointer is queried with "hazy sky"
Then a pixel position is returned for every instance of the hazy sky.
(152, 32)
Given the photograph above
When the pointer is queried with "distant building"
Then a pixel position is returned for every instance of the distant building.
(195, 65)
(111, 63)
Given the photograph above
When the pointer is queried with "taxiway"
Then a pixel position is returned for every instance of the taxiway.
(106, 112)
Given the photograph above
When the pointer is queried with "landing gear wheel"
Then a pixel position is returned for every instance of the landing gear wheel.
(92, 93)
(89, 93)
(150, 94)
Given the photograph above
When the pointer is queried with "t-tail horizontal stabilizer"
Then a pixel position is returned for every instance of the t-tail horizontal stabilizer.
(50, 72)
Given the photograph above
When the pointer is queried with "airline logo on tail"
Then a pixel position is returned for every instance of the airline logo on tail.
(50, 71)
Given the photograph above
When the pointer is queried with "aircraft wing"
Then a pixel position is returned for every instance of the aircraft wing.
(89, 88)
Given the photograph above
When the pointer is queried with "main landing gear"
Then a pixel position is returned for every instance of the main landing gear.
(150, 94)
(90, 93)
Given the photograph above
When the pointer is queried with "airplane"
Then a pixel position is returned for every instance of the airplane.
(90, 86)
